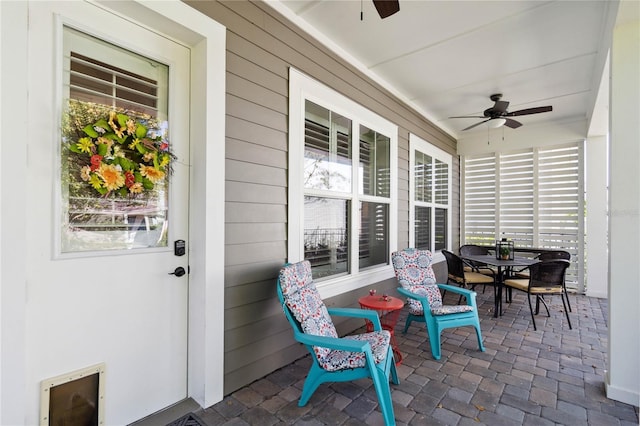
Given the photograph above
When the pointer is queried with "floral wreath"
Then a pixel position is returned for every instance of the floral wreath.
(123, 155)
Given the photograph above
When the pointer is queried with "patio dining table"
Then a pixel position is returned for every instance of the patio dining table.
(503, 266)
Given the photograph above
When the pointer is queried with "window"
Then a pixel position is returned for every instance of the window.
(430, 195)
(342, 199)
(100, 78)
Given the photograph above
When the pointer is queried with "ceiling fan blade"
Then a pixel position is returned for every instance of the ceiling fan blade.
(477, 124)
(512, 123)
(386, 7)
(528, 111)
(469, 116)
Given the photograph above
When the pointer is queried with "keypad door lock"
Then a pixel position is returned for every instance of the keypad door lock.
(179, 247)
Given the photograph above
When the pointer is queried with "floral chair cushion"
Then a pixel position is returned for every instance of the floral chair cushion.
(302, 298)
(413, 268)
(414, 272)
(340, 360)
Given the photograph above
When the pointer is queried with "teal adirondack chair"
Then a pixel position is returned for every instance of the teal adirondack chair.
(418, 283)
(335, 359)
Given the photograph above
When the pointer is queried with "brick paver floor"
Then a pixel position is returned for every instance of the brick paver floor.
(553, 376)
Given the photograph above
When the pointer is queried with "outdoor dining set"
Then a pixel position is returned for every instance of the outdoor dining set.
(373, 353)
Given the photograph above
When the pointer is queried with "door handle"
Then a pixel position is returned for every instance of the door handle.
(178, 272)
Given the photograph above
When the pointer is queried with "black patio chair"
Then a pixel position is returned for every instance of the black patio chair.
(545, 278)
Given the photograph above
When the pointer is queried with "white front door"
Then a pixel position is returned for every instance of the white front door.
(99, 289)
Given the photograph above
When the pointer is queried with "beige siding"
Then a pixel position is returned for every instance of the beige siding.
(261, 46)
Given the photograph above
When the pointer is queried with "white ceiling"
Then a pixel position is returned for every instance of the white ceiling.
(446, 58)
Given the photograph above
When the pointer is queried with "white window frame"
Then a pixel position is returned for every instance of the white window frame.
(302, 88)
(418, 144)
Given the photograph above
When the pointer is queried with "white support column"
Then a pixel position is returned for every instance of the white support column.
(596, 222)
(623, 376)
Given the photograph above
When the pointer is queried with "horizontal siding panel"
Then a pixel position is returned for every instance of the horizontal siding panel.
(254, 93)
(257, 55)
(255, 313)
(245, 338)
(247, 373)
(240, 295)
(241, 171)
(237, 275)
(255, 193)
(244, 233)
(253, 212)
(251, 71)
(257, 349)
(254, 153)
(251, 132)
(238, 254)
(246, 110)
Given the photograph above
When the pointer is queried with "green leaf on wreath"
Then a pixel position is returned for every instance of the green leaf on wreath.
(147, 184)
(102, 149)
(125, 163)
(103, 124)
(74, 148)
(141, 149)
(90, 131)
(123, 191)
(122, 119)
(141, 131)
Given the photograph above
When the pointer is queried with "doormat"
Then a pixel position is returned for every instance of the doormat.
(188, 420)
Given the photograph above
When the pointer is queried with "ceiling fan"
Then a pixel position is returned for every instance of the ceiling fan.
(499, 112)
(386, 8)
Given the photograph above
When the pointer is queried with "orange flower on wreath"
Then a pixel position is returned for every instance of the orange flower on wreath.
(151, 173)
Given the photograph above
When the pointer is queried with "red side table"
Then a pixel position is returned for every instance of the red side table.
(388, 310)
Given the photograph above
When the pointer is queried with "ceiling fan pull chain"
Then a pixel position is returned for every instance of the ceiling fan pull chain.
(361, 14)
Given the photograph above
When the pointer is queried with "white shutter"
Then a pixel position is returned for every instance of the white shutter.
(534, 197)
(479, 187)
(516, 192)
(561, 205)
(107, 75)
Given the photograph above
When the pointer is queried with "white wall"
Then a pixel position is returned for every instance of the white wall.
(623, 376)
(13, 165)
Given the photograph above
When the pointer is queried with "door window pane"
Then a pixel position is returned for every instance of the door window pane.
(374, 166)
(326, 235)
(116, 157)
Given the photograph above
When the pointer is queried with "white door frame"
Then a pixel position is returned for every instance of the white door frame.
(206, 39)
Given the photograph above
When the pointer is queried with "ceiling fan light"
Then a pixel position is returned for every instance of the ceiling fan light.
(496, 122)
